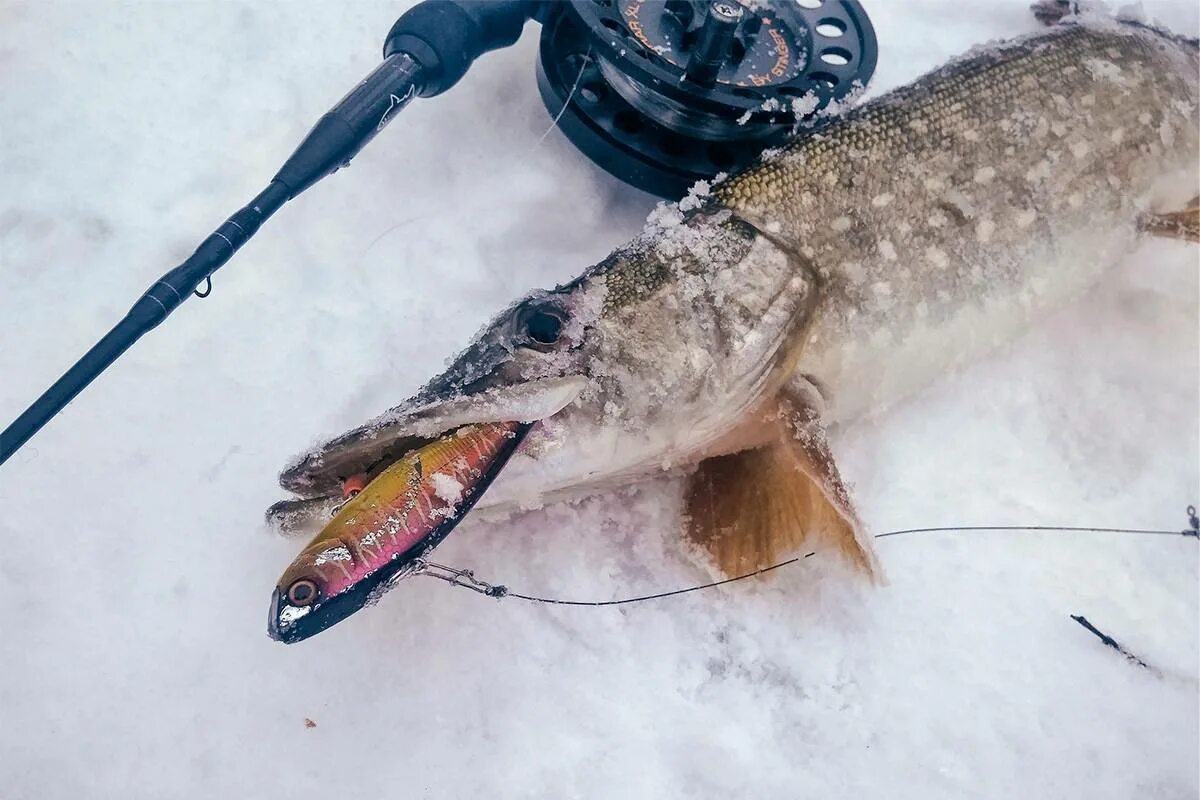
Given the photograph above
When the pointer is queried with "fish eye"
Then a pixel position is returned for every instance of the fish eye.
(302, 592)
(543, 325)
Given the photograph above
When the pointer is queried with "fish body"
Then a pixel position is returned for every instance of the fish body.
(942, 218)
(872, 255)
(879, 250)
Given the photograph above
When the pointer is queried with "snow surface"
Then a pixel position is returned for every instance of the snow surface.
(135, 571)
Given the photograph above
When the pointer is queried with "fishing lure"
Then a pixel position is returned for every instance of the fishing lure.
(388, 523)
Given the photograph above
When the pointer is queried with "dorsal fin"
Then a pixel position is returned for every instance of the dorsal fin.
(758, 507)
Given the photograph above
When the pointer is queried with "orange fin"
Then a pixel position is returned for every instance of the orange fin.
(755, 508)
(1183, 224)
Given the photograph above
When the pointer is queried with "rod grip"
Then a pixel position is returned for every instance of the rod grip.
(446, 36)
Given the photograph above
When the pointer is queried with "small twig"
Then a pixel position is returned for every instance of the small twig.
(1111, 642)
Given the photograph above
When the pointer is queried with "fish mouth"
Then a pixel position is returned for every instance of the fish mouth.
(371, 448)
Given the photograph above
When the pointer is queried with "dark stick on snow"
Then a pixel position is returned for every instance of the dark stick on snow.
(1110, 642)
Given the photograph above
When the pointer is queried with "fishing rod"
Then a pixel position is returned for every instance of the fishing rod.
(659, 94)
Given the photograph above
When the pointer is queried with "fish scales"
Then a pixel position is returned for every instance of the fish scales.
(858, 264)
(954, 203)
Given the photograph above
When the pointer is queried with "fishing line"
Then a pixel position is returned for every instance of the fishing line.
(583, 64)
(530, 150)
(466, 578)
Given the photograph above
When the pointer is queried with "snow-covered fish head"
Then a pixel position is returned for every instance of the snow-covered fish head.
(645, 360)
(527, 365)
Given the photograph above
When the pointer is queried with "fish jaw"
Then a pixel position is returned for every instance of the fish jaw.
(389, 436)
(525, 365)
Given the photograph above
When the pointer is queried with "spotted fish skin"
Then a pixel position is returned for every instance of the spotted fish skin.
(940, 218)
(865, 259)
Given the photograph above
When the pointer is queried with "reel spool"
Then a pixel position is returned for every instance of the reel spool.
(662, 94)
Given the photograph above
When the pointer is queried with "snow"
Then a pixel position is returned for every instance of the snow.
(447, 488)
(331, 555)
(136, 571)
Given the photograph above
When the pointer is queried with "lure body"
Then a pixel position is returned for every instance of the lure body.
(401, 514)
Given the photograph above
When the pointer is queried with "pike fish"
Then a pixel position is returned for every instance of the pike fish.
(874, 253)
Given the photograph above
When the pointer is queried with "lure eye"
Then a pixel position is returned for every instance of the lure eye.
(302, 592)
(544, 326)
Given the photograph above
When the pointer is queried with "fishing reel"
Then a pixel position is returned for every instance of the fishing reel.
(660, 93)
(663, 94)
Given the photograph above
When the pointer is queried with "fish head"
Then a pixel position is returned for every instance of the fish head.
(527, 365)
(640, 363)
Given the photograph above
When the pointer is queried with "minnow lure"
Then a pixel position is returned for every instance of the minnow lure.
(386, 525)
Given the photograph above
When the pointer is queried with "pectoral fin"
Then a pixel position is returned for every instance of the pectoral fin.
(754, 508)
(1183, 224)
